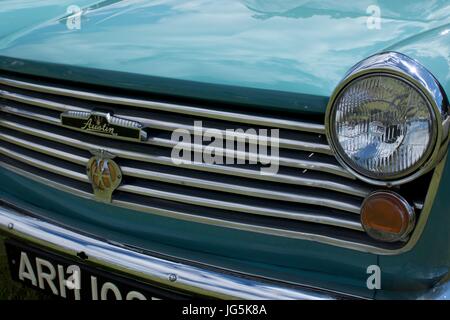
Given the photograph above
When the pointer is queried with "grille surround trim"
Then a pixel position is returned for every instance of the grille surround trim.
(229, 116)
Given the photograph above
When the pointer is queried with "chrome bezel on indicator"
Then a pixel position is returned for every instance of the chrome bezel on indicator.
(408, 225)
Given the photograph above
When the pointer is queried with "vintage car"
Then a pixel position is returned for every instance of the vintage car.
(245, 149)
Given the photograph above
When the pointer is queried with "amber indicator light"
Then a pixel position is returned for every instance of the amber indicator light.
(386, 216)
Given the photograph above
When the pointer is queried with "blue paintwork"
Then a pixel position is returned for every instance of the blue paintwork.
(274, 54)
(233, 96)
(290, 46)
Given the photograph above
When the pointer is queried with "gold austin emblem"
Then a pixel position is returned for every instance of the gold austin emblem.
(104, 174)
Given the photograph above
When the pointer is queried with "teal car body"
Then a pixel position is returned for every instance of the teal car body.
(282, 56)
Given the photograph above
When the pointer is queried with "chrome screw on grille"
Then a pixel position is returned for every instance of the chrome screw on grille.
(172, 277)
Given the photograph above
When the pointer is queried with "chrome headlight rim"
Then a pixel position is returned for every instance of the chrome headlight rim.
(400, 66)
(345, 160)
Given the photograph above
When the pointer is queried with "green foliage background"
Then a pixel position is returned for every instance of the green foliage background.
(10, 290)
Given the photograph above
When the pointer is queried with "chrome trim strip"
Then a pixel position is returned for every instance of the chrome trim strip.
(427, 206)
(237, 207)
(189, 278)
(348, 187)
(44, 149)
(44, 165)
(214, 114)
(212, 203)
(243, 190)
(283, 161)
(163, 125)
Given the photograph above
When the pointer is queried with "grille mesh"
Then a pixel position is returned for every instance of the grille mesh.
(310, 197)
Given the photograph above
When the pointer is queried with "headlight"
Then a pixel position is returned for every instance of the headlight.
(383, 126)
(385, 119)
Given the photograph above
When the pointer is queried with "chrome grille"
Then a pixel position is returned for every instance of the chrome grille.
(311, 197)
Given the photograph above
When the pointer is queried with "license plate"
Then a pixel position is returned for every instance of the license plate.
(70, 279)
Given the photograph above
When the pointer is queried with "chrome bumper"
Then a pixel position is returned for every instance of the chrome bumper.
(174, 274)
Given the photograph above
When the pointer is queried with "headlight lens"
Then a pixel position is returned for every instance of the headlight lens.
(382, 126)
